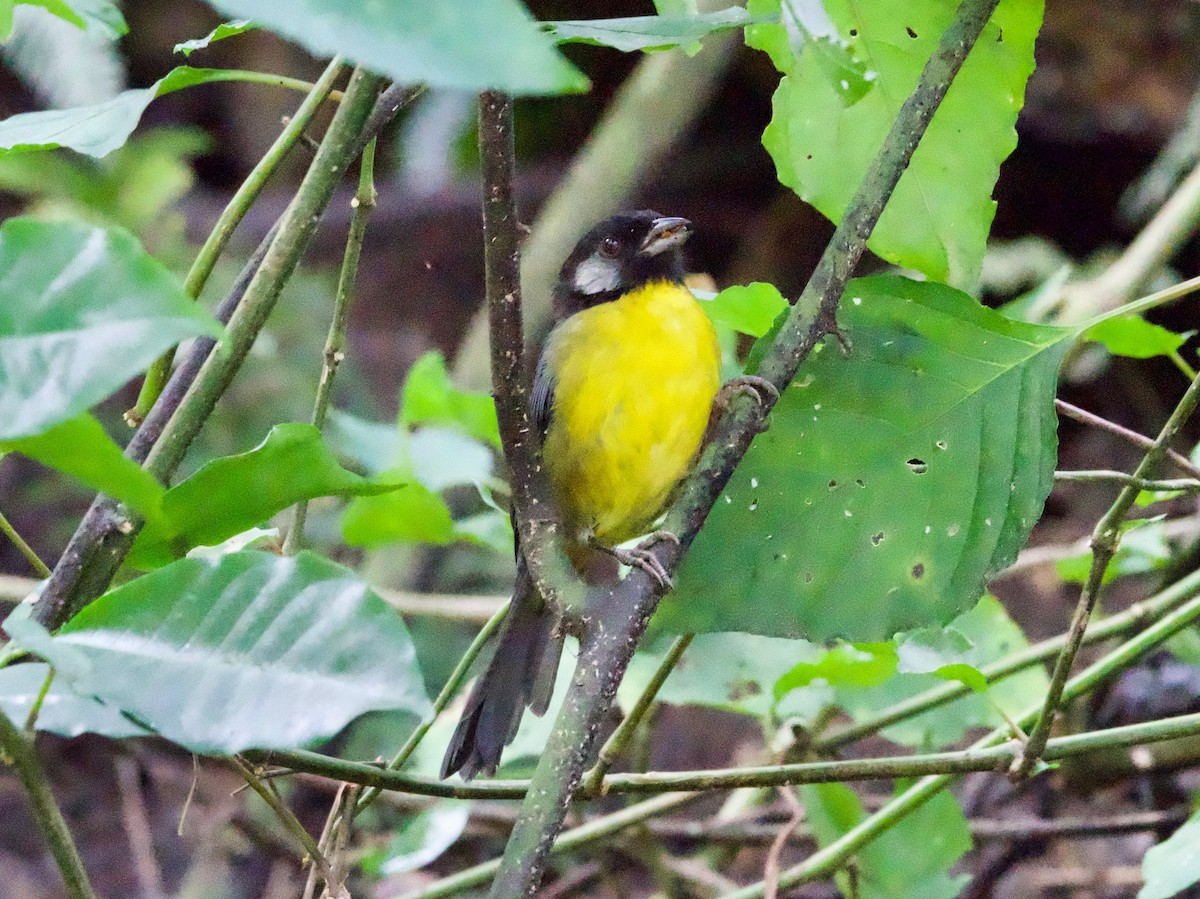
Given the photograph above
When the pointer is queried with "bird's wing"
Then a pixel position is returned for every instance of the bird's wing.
(541, 400)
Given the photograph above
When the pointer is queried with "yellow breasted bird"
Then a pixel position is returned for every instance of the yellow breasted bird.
(622, 395)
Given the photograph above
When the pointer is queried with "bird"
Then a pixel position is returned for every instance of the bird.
(622, 396)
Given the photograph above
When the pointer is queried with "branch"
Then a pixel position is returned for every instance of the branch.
(620, 614)
(1136, 616)
(335, 341)
(234, 211)
(832, 857)
(104, 537)
(1186, 485)
(19, 753)
(1180, 461)
(596, 829)
(23, 547)
(1106, 537)
(536, 521)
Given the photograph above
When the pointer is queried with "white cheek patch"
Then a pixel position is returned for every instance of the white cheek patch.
(597, 274)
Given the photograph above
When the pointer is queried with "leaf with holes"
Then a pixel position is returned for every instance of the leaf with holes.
(84, 310)
(248, 651)
(845, 79)
(892, 482)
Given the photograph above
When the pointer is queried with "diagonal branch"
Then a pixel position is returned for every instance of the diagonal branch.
(619, 616)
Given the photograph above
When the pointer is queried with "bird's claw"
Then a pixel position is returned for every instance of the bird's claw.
(754, 386)
(641, 557)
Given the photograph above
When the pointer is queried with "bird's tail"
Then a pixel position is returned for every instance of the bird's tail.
(520, 675)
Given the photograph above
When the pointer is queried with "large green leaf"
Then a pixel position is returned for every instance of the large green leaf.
(63, 711)
(231, 494)
(249, 651)
(910, 859)
(1170, 867)
(99, 129)
(466, 44)
(85, 309)
(81, 448)
(892, 481)
(97, 17)
(648, 32)
(844, 81)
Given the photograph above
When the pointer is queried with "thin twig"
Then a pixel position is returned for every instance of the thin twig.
(331, 819)
(1106, 537)
(1180, 461)
(594, 830)
(18, 750)
(308, 846)
(1137, 615)
(335, 341)
(25, 549)
(618, 616)
(444, 697)
(833, 856)
(234, 211)
(771, 866)
(620, 738)
(137, 827)
(1186, 485)
(988, 754)
(982, 829)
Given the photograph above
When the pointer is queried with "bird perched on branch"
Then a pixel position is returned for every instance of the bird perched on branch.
(622, 396)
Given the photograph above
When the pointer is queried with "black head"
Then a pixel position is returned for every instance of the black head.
(620, 254)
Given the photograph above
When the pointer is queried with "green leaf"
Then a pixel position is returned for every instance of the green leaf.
(734, 672)
(841, 91)
(430, 397)
(85, 309)
(250, 651)
(911, 858)
(892, 481)
(750, 310)
(100, 128)
(222, 31)
(98, 17)
(234, 493)
(942, 652)
(1143, 548)
(55, 7)
(452, 43)
(993, 635)
(1170, 867)
(413, 515)
(82, 449)
(63, 712)
(420, 839)
(1133, 336)
(862, 665)
(648, 32)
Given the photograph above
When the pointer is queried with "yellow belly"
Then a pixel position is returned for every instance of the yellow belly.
(634, 382)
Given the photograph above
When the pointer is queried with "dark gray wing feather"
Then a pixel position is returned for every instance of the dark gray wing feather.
(541, 400)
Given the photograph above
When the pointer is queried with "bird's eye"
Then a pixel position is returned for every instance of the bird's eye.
(609, 247)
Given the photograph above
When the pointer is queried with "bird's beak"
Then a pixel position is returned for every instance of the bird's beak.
(666, 232)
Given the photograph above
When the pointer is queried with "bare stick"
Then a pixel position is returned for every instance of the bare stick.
(1180, 461)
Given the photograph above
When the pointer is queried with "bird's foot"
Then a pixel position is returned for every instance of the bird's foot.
(641, 557)
(753, 386)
